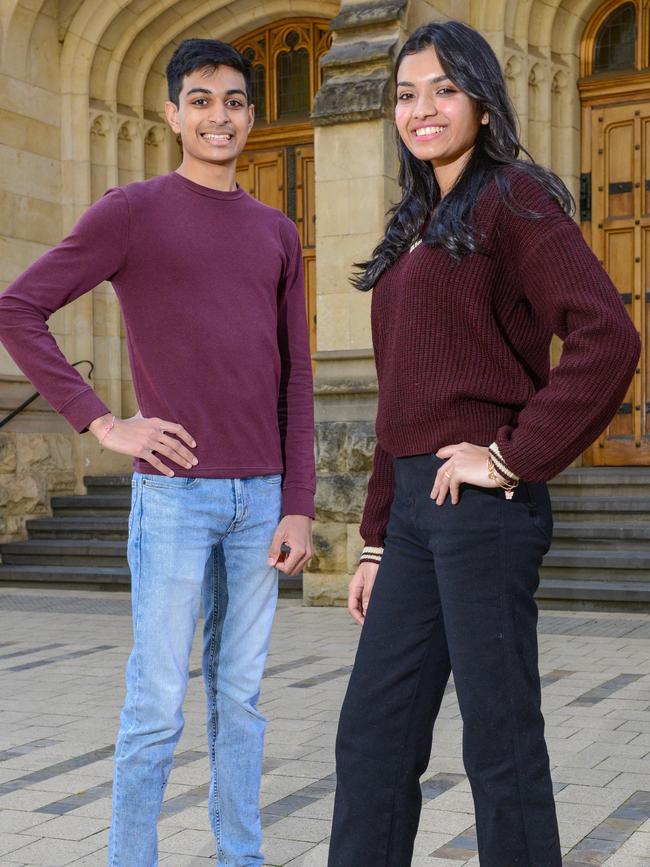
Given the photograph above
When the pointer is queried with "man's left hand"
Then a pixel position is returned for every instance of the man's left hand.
(294, 531)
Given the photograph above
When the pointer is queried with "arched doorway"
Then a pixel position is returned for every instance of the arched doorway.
(615, 194)
(277, 166)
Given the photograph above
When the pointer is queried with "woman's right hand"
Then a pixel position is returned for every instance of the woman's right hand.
(360, 589)
(142, 437)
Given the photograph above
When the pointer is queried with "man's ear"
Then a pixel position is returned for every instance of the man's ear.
(251, 116)
(171, 112)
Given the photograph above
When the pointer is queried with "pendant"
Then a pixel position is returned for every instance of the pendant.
(509, 495)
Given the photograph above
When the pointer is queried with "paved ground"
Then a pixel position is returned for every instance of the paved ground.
(62, 655)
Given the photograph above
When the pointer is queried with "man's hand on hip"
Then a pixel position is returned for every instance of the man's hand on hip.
(294, 531)
(145, 438)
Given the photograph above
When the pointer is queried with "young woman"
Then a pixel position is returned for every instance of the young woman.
(480, 265)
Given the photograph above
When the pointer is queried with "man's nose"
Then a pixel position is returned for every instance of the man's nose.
(218, 114)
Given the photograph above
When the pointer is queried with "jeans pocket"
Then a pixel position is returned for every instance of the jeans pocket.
(153, 480)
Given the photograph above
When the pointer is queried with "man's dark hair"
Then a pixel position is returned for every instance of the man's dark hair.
(193, 54)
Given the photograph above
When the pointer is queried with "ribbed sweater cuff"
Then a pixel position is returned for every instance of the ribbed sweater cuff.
(298, 501)
(371, 554)
(83, 409)
(500, 465)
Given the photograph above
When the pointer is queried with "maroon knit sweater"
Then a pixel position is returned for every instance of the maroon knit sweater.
(462, 348)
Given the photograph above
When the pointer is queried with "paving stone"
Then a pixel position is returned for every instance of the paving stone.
(53, 853)
(189, 843)
(301, 829)
(71, 827)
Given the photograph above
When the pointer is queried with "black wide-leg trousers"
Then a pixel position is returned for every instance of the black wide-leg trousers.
(454, 592)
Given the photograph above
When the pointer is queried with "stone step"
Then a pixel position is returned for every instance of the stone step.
(66, 552)
(79, 527)
(99, 578)
(92, 505)
(567, 591)
(93, 577)
(602, 481)
(602, 509)
(592, 535)
(598, 565)
(108, 484)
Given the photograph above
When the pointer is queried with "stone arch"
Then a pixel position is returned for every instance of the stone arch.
(153, 84)
(112, 53)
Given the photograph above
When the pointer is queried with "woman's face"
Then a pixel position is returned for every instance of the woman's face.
(436, 120)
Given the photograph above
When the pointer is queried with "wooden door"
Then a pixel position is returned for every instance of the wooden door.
(305, 216)
(620, 238)
(284, 178)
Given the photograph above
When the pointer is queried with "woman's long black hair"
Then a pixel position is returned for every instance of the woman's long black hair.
(471, 64)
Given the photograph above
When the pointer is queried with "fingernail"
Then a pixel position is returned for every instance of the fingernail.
(195, 462)
(193, 444)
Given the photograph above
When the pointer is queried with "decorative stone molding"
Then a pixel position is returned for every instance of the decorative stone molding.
(560, 82)
(155, 136)
(100, 125)
(357, 69)
(128, 131)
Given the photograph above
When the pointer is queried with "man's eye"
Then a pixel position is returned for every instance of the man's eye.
(199, 101)
(404, 96)
(234, 103)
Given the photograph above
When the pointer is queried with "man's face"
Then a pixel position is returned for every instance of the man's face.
(213, 116)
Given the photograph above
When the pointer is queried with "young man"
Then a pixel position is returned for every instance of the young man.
(211, 289)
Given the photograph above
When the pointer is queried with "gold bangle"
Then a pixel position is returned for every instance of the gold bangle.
(495, 477)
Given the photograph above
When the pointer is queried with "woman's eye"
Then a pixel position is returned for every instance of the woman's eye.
(445, 91)
(404, 96)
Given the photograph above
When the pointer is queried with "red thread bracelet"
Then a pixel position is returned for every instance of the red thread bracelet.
(107, 429)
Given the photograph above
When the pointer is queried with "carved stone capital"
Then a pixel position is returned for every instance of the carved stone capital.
(358, 67)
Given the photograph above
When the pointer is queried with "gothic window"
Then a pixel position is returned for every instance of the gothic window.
(285, 58)
(259, 83)
(616, 40)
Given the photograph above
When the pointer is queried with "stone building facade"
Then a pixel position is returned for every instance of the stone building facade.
(81, 94)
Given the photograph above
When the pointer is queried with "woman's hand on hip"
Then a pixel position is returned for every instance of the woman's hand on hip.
(360, 590)
(464, 464)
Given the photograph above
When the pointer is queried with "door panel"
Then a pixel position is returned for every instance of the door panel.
(306, 222)
(284, 178)
(620, 161)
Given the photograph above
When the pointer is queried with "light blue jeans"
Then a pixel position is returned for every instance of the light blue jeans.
(193, 540)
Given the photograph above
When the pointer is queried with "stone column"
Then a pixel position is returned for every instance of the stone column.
(356, 167)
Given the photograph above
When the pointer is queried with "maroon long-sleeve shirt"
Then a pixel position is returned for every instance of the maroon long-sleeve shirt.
(462, 348)
(211, 289)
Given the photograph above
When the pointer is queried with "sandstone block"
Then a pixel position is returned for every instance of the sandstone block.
(7, 453)
(340, 498)
(330, 546)
(325, 589)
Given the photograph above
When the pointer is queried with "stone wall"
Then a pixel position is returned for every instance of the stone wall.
(33, 466)
(344, 452)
